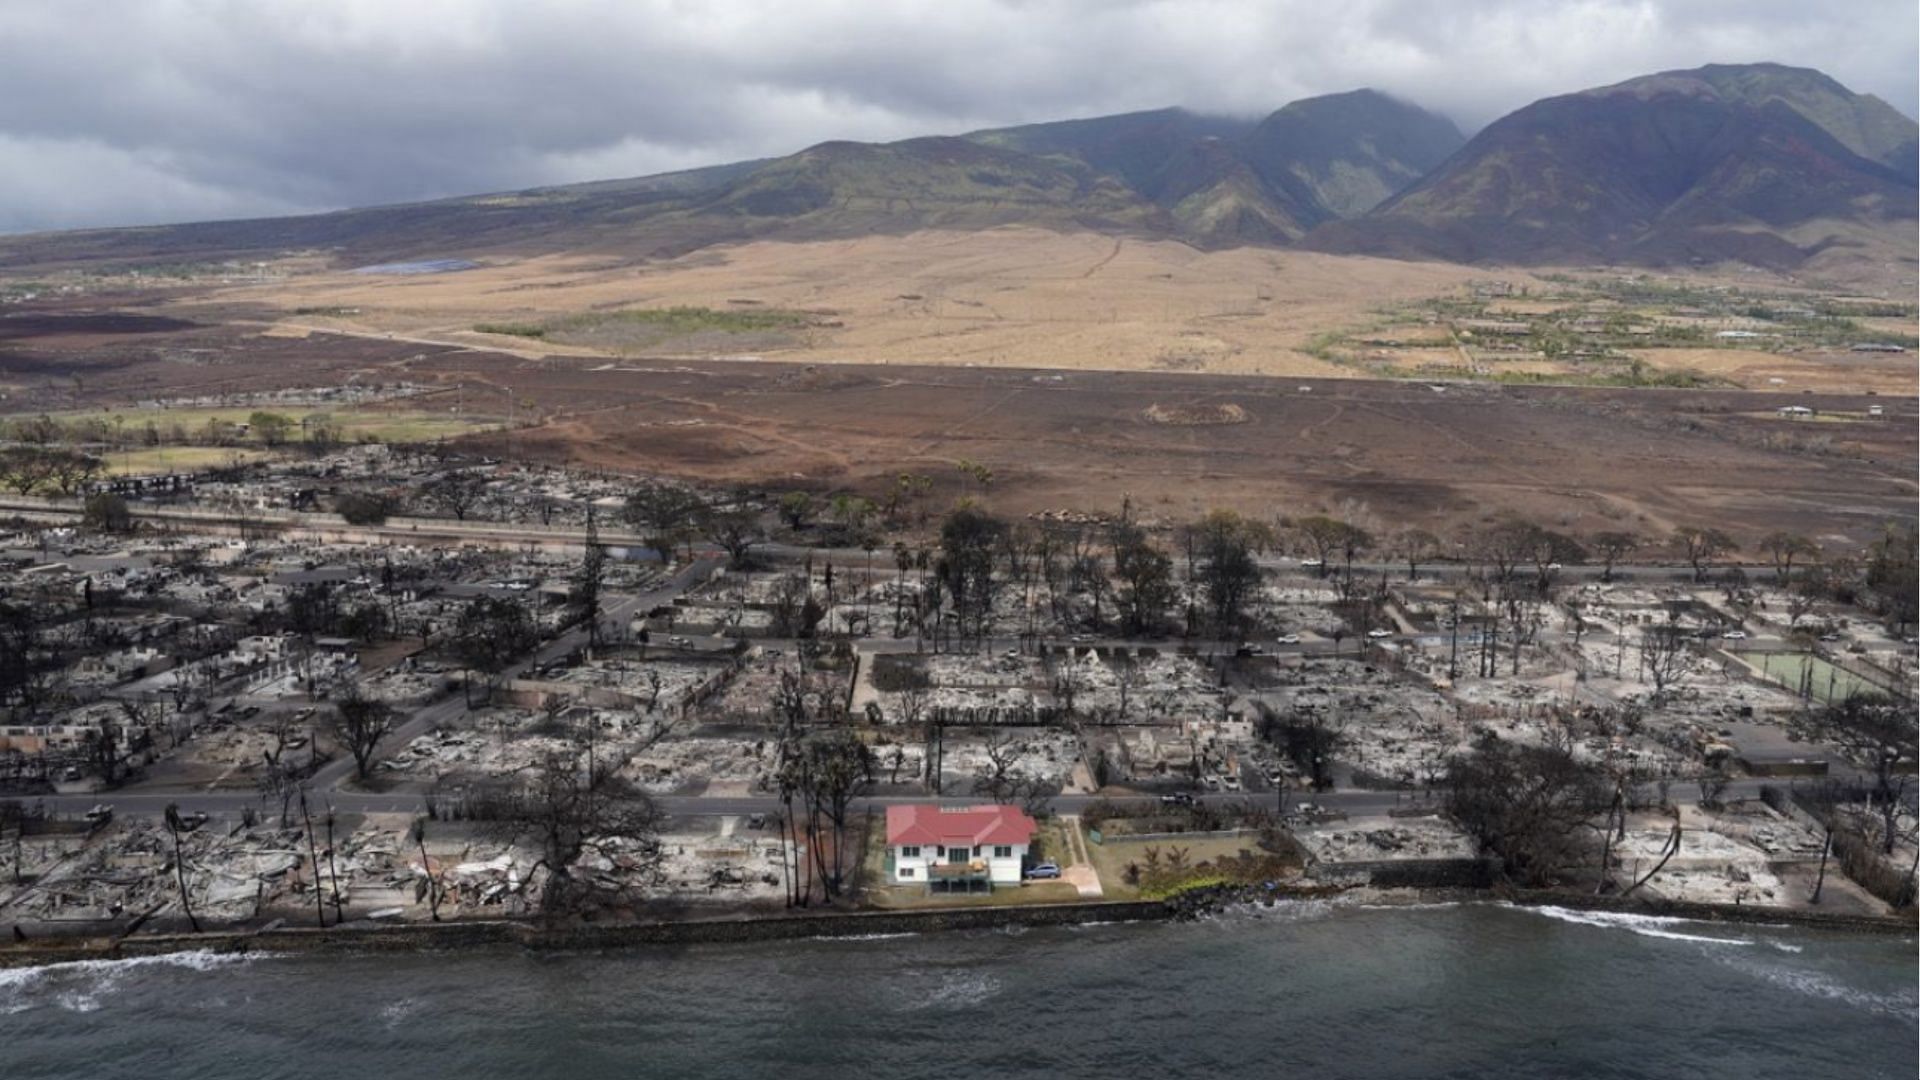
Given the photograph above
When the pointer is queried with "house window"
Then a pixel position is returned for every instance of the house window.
(959, 854)
(1003, 851)
(906, 872)
(910, 851)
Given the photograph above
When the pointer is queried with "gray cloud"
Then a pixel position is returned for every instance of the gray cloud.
(141, 111)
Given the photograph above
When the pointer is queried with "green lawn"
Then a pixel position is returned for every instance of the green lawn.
(172, 459)
(353, 423)
(1111, 858)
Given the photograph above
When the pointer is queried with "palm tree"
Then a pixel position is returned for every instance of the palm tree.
(174, 826)
(902, 561)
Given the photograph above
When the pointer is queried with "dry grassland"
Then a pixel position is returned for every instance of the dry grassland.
(1002, 298)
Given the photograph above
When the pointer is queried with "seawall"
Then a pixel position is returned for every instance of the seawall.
(460, 935)
(466, 935)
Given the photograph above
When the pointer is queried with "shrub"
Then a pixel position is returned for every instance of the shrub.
(361, 508)
(107, 513)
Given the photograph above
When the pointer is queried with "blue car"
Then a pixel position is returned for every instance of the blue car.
(1043, 871)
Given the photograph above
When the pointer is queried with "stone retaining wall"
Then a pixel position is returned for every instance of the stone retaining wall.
(419, 937)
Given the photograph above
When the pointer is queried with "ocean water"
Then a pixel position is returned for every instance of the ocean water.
(1312, 990)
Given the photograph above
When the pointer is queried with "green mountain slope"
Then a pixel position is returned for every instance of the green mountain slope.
(847, 188)
(1668, 167)
(1761, 163)
(1349, 152)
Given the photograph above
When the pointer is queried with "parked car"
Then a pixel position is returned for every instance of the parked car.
(1311, 562)
(1043, 871)
(1377, 634)
(1178, 798)
(1288, 639)
(1735, 635)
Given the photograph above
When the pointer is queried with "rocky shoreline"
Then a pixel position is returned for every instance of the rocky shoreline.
(1220, 898)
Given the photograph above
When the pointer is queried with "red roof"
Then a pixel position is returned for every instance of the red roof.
(957, 826)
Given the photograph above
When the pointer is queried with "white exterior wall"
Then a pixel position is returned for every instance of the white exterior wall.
(1001, 871)
(918, 864)
(1007, 871)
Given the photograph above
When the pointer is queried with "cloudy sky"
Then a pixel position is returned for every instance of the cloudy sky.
(137, 111)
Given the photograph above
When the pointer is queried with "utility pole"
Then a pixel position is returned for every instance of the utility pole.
(1453, 654)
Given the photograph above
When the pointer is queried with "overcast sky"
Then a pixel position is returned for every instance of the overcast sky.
(117, 112)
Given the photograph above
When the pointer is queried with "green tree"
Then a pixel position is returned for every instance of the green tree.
(272, 428)
(364, 508)
(1224, 546)
(968, 540)
(490, 634)
(108, 513)
(1533, 806)
(1892, 574)
(736, 530)
(666, 516)
(1143, 574)
(797, 509)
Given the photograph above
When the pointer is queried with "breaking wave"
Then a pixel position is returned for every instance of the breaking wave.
(1645, 925)
(79, 985)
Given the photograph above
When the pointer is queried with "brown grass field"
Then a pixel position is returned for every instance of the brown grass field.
(1399, 452)
(1000, 298)
(1081, 369)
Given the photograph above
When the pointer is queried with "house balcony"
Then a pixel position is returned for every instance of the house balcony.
(960, 877)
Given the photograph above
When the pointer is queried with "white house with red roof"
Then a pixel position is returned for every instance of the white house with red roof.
(957, 847)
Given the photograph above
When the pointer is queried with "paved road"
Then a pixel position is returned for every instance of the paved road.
(230, 805)
(415, 529)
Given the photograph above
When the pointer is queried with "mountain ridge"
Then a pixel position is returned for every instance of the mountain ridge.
(1723, 163)
(1717, 163)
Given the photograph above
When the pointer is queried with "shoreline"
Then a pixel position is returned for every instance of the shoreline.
(534, 936)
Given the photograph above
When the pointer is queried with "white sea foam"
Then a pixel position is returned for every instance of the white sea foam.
(957, 990)
(75, 1001)
(1815, 984)
(1644, 925)
(1283, 910)
(393, 1012)
(77, 985)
